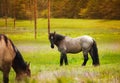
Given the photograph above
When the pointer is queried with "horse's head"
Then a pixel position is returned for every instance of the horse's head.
(28, 71)
(52, 39)
(24, 73)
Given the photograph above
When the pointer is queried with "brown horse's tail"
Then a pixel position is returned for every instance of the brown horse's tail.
(94, 54)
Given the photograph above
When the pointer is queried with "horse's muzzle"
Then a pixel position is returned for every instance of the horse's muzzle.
(52, 46)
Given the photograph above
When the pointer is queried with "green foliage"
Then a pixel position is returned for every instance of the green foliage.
(103, 9)
(100, 9)
(20, 8)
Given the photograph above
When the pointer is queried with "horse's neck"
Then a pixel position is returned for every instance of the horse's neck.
(18, 63)
(58, 39)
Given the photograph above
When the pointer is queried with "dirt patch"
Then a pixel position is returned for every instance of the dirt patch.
(33, 47)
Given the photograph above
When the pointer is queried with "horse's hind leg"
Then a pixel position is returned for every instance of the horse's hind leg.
(91, 54)
(85, 58)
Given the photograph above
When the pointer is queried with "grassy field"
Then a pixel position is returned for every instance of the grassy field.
(45, 61)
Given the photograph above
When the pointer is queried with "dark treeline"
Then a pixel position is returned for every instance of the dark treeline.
(97, 9)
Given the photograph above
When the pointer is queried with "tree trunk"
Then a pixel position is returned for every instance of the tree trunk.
(15, 14)
(35, 18)
(48, 17)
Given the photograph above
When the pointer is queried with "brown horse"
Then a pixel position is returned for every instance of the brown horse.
(11, 57)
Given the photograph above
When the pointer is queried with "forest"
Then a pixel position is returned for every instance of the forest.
(95, 9)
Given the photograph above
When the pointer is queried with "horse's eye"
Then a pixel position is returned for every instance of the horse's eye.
(51, 37)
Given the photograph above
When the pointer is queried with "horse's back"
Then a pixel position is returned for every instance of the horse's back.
(70, 45)
(75, 45)
(86, 41)
(7, 53)
(86, 38)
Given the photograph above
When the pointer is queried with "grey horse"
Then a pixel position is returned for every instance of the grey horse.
(65, 45)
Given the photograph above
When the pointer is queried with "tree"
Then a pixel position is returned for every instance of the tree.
(98, 9)
(42, 8)
(14, 12)
(35, 18)
(102, 9)
(48, 16)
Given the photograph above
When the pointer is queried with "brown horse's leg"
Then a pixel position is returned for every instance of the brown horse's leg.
(6, 75)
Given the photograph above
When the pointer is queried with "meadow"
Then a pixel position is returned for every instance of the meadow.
(45, 61)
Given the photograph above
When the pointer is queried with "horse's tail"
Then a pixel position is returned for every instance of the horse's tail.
(94, 54)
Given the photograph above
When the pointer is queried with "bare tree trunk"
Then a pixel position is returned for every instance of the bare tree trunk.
(35, 18)
(5, 4)
(15, 14)
(5, 21)
(48, 17)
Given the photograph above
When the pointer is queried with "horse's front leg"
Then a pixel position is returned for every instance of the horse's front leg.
(63, 57)
(6, 76)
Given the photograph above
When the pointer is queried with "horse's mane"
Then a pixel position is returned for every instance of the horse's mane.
(18, 62)
(59, 37)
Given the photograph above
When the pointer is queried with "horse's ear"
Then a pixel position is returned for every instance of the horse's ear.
(28, 65)
(54, 32)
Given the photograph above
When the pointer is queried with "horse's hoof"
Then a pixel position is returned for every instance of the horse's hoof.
(83, 65)
(95, 65)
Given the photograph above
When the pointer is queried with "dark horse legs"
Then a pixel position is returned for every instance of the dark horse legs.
(5, 79)
(63, 57)
(94, 58)
(6, 75)
(85, 59)
(91, 54)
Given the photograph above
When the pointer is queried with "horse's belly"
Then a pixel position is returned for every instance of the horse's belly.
(74, 49)
(73, 46)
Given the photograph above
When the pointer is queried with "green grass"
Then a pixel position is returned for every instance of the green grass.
(45, 61)
(64, 23)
